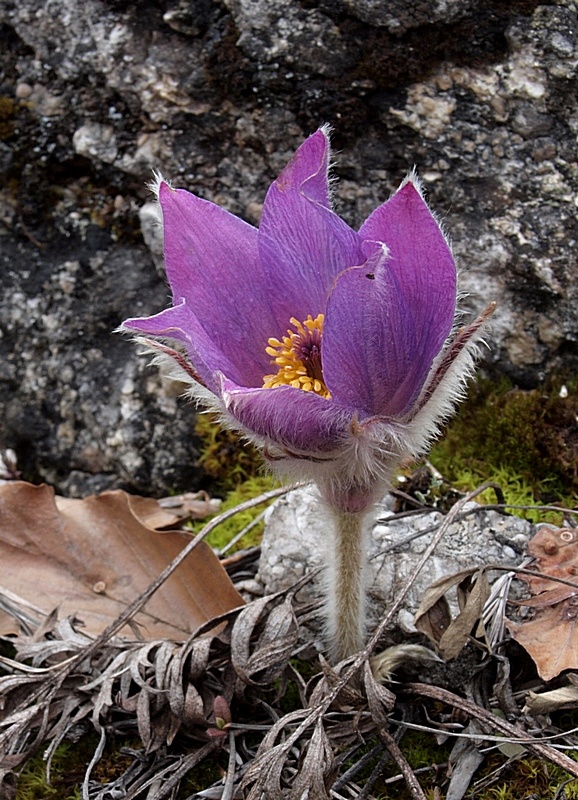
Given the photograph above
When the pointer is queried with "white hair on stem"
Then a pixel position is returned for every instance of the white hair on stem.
(346, 583)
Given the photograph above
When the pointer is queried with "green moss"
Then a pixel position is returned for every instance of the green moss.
(224, 457)
(71, 760)
(66, 773)
(525, 778)
(69, 766)
(515, 490)
(528, 777)
(223, 534)
(238, 473)
(526, 439)
(421, 750)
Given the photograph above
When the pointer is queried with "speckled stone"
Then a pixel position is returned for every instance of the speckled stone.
(296, 537)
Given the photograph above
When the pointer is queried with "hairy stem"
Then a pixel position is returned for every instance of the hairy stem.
(346, 585)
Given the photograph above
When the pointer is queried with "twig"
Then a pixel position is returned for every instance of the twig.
(532, 574)
(411, 781)
(561, 509)
(419, 771)
(476, 509)
(357, 767)
(376, 772)
(445, 696)
(242, 532)
(456, 734)
(229, 786)
(249, 553)
(412, 500)
(493, 776)
(93, 761)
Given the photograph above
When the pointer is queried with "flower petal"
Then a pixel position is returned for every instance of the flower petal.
(180, 324)
(421, 262)
(212, 261)
(302, 422)
(303, 244)
(380, 338)
(308, 169)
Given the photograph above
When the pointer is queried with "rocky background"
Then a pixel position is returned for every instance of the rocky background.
(480, 95)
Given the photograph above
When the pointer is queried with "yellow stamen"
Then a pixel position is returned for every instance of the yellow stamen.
(297, 357)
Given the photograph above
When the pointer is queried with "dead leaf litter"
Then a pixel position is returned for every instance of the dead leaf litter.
(117, 628)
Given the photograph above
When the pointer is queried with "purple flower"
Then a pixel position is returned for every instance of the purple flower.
(326, 346)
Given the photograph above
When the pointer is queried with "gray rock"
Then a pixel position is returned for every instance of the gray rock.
(94, 95)
(296, 538)
(281, 32)
(399, 15)
(152, 232)
(96, 141)
(5, 158)
(81, 409)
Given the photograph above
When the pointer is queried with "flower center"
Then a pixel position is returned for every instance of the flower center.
(298, 358)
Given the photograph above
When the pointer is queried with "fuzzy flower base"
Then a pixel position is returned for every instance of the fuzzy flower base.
(334, 350)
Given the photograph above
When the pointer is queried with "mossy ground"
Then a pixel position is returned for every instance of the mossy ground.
(422, 753)
(227, 530)
(71, 760)
(527, 441)
(527, 778)
(236, 472)
(226, 460)
(67, 770)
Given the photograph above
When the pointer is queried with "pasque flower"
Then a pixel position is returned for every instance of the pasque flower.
(334, 350)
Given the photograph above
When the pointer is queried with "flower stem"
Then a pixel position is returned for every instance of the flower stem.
(346, 585)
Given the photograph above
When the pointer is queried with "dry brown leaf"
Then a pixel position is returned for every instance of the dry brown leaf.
(380, 699)
(275, 645)
(547, 702)
(91, 558)
(458, 633)
(169, 512)
(347, 697)
(551, 636)
(556, 554)
(550, 598)
(263, 776)
(316, 769)
(433, 615)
